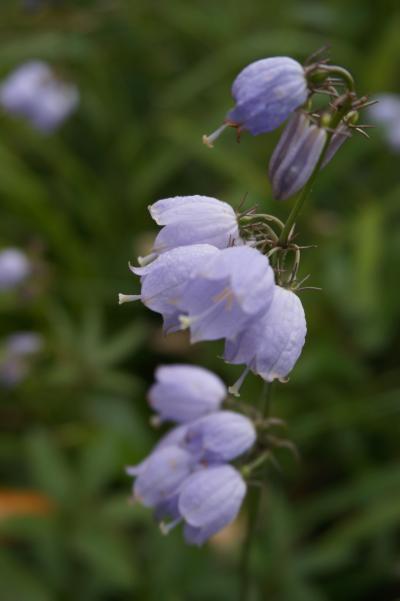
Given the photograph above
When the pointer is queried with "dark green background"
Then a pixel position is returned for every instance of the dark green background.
(154, 76)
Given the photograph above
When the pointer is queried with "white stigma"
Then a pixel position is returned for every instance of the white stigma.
(143, 261)
(185, 321)
(127, 298)
(209, 140)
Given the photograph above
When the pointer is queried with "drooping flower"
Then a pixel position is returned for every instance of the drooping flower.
(162, 474)
(270, 346)
(17, 352)
(14, 268)
(231, 287)
(220, 437)
(34, 92)
(209, 500)
(194, 220)
(387, 114)
(295, 156)
(266, 92)
(164, 279)
(173, 438)
(183, 393)
(214, 439)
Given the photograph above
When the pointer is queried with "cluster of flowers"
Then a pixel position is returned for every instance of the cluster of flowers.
(35, 92)
(267, 93)
(209, 272)
(187, 477)
(203, 276)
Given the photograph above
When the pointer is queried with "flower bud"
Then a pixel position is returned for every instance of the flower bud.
(296, 155)
(342, 133)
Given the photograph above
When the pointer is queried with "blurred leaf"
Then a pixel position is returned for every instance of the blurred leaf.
(48, 466)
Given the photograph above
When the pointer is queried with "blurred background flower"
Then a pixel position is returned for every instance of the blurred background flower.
(152, 78)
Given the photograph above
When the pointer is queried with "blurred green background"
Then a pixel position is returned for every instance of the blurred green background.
(154, 76)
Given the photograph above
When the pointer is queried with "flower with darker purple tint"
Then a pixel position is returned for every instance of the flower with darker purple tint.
(266, 92)
(295, 156)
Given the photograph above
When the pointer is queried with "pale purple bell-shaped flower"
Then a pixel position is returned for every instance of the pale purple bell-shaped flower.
(183, 393)
(164, 279)
(209, 500)
(266, 92)
(226, 292)
(386, 113)
(220, 437)
(271, 345)
(36, 93)
(173, 438)
(14, 268)
(18, 350)
(295, 156)
(162, 474)
(194, 220)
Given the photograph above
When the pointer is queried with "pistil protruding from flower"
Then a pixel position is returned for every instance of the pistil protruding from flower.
(128, 298)
(235, 388)
(209, 140)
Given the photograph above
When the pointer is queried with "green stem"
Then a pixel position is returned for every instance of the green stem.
(291, 220)
(340, 72)
(253, 511)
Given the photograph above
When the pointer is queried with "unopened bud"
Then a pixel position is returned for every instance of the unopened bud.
(342, 133)
(296, 156)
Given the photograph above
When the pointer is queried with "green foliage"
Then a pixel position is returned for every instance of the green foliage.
(154, 76)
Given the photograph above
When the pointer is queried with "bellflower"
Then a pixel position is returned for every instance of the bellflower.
(295, 156)
(266, 92)
(270, 346)
(209, 500)
(183, 393)
(162, 474)
(216, 438)
(164, 279)
(194, 220)
(230, 288)
(14, 268)
(173, 438)
(220, 437)
(34, 92)
(387, 114)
